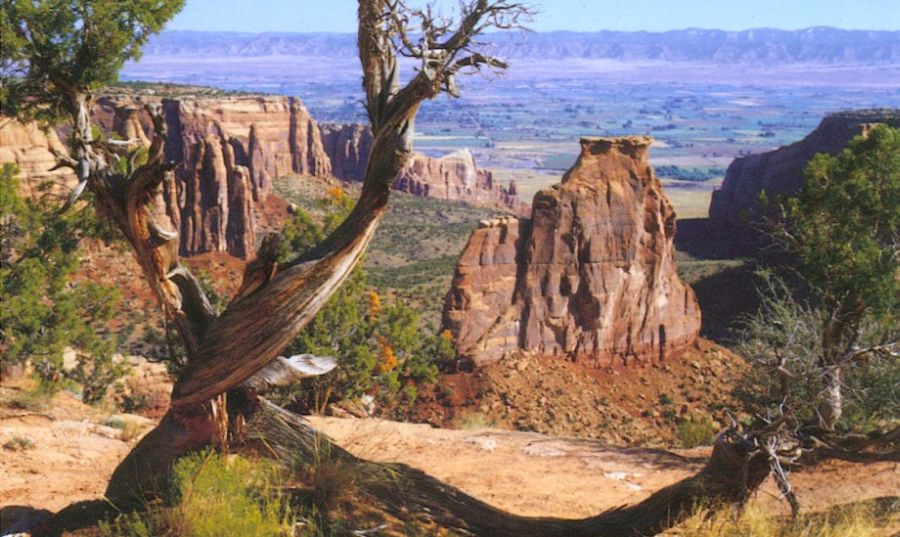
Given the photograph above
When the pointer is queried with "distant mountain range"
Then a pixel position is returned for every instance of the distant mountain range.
(823, 45)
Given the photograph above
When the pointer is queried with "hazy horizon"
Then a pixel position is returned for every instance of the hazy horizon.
(339, 16)
(672, 30)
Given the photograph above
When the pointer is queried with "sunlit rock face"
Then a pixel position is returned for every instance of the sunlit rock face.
(228, 150)
(31, 150)
(453, 177)
(590, 276)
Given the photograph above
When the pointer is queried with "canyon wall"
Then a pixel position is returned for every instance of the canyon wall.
(780, 171)
(590, 276)
(348, 147)
(229, 150)
(456, 177)
(31, 150)
(453, 177)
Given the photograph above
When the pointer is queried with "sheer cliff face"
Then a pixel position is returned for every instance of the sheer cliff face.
(453, 177)
(456, 177)
(590, 276)
(217, 213)
(272, 136)
(781, 171)
(229, 150)
(348, 147)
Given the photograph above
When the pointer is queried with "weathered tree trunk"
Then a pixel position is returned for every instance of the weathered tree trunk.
(831, 400)
(830, 404)
(734, 470)
(226, 350)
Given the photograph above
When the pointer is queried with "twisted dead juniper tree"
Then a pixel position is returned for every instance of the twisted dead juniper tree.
(64, 50)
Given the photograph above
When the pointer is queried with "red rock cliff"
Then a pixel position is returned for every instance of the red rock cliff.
(348, 147)
(229, 150)
(453, 177)
(781, 171)
(591, 275)
(456, 177)
(29, 148)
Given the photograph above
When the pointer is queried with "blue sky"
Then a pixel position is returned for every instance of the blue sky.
(575, 15)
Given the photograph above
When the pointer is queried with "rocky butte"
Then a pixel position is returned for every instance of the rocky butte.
(781, 171)
(453, 177)
(590, 276)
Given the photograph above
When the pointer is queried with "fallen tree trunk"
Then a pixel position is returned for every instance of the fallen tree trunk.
(734, 471)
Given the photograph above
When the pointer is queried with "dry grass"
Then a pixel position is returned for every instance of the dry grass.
(858, 520)
(472, 420)
(696, 432)
(331, 481)
(129, 429)
(19, 443)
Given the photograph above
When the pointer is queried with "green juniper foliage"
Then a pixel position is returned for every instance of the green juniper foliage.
(847, 222)
(54, 49)
(831, 354)
(43, 310)
(786, 332)
(380, 348)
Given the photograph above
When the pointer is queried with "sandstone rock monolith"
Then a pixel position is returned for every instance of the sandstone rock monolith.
(591, 275)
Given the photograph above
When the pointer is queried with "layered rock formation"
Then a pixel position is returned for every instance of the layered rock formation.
(453, 177)
(591, 275)
(348, 147)
(781, 171)
(229, 150)
(456, 177)
(30, 149)
(217, 209)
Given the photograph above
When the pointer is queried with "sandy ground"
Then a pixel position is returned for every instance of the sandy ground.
(534, 474)
(71, 456)
(69, 460)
